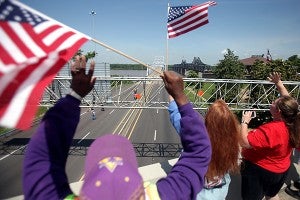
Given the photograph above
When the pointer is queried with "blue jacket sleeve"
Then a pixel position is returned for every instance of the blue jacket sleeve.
(175, 115)
(44, 175)
(186, 178)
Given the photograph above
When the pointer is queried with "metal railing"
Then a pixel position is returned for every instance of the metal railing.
(119, 92)
(17, 146)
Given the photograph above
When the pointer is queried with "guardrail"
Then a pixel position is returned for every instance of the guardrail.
(119, 92)
(79, 147)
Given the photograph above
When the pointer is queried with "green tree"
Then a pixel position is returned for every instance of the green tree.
(288, 69)
(192, 74)
(295, 61)
(88, 55)
(230, 67)
(260, 70)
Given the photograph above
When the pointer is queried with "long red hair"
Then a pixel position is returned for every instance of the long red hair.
(223, 129)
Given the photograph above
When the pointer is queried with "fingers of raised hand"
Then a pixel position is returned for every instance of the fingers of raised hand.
(93, 81)
(79, 64)
(247, 115)
(278, 75)
(274, 76)
(91, 70)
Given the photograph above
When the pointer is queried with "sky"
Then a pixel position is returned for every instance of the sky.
(138, 28)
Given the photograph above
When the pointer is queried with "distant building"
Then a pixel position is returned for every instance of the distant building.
(196, 65)
(249, 62)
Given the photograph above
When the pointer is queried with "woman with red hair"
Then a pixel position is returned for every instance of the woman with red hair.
(223, 130)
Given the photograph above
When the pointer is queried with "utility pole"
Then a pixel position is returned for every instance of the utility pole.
(93, 13)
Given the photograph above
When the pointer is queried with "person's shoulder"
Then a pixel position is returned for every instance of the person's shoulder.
(273, 123)
(273, 126)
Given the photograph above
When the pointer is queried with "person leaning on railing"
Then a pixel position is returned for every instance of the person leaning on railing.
(267, 149)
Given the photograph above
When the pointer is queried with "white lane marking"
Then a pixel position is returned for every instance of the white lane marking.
(156, 111)
(26, 145)
(84, 137)
(82, 114)
(155, 135)
(112, 111)
(12, 152)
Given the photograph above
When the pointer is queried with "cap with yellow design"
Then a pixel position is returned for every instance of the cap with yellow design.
(111, 170)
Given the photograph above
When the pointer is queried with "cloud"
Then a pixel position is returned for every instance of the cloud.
(224, 51)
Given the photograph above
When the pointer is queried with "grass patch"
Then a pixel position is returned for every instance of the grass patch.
(207, 88)
(41, 111)
(3, 130)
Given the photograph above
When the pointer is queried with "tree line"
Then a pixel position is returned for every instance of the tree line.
(231, 68)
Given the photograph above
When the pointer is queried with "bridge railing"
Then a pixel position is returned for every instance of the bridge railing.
(149, 92)
(79, 147)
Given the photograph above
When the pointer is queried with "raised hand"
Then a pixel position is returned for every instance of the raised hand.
(82, 83)
(274, 77)
(175, 86)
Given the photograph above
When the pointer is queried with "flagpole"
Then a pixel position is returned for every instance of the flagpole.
(93, 13)
(125, 55)
(167, 48)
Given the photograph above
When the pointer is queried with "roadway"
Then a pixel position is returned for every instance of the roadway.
(139, 125)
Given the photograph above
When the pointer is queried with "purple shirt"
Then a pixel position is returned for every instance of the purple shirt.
(186, 178)
(44, 175)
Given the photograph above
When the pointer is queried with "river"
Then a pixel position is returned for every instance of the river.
(129, 73)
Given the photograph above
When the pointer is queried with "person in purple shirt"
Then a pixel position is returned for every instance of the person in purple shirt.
(111, 169)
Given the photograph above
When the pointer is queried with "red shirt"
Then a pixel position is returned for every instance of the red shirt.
(270, 147)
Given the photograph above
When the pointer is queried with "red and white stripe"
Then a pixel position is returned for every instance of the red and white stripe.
(29, 60)
(194, 18)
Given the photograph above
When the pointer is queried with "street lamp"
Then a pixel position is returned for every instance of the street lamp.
(93, 13)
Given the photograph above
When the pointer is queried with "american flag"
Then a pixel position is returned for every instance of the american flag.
(183, 19)
(33, 48)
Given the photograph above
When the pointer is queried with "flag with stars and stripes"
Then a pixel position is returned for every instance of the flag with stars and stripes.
(183, 19)
(33, 48)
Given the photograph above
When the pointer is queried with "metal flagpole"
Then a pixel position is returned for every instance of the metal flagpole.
(93, 13)
(127, 56)
(167, 48)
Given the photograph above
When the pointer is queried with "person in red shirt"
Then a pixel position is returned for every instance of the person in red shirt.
(267, 149)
